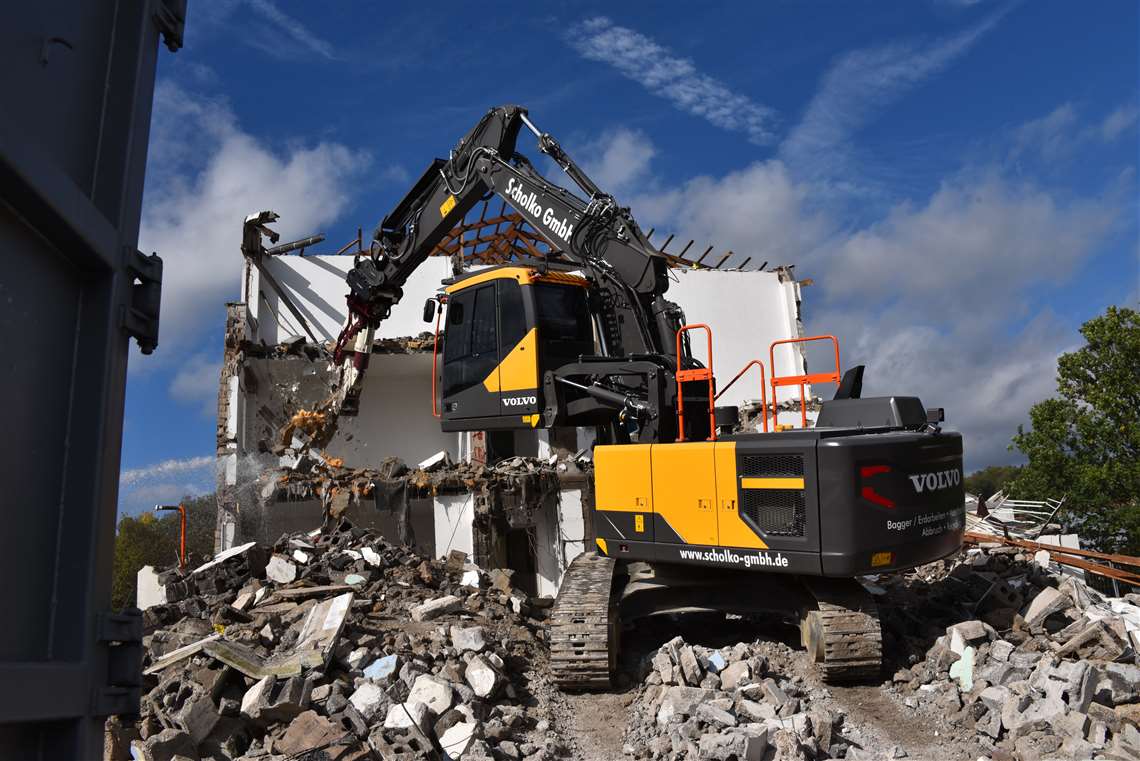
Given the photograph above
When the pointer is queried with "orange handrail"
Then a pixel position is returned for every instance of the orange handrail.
(801, 380)
(763, 389)
(434, 357)
(695, 374)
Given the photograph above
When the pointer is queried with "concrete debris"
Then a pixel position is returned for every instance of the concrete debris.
(315, 669)
(1028, 677)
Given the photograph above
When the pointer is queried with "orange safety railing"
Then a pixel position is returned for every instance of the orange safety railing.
(763, 389)
(695, 374)
(801, 380)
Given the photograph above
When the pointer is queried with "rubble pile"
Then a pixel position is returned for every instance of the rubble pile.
(1033, 663)
(515, 486)
(735, 702)
(333, 646)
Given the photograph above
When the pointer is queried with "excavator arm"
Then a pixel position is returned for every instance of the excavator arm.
(595, 235)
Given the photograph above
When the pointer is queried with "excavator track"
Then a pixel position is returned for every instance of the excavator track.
(583, 625)
(843, 636)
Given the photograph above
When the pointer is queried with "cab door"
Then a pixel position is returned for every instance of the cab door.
(471, 354)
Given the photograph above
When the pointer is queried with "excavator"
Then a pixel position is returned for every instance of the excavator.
(687, 517)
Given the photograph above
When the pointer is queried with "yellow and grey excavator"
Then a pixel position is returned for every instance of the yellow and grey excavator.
(684, 519)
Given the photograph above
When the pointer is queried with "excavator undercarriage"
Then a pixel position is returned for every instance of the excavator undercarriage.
(837, 618)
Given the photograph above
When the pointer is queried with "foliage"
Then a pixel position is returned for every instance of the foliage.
(1086, 443)
(986, 482)
(152, 539)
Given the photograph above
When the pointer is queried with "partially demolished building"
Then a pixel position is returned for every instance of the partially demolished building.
(513, 499)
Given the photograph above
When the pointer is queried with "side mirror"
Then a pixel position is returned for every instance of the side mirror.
(429, 310)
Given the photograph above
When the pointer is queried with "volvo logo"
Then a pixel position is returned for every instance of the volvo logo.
(519, 401)
(943, 479)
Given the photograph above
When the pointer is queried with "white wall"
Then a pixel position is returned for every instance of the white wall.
(395, 417)
(453, 516)
(747, 311)
(317, 288)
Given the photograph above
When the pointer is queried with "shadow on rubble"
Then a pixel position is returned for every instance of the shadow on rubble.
(920, 604)
(642, 638)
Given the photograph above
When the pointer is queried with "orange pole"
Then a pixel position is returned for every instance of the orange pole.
(696, 374)
(763, 388)
(434, 359)
(182, 536)
(801, 380)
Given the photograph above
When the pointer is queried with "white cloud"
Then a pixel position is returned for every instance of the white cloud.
(165, 470)
(758, 211)
(854, 89)
(1119, 121)
(668, 76)
(968, 253)
(292, 29)
(1051, 136)
(166, 482)
(937, 297)
(196, 381)
(1060, 134)
(205, 175)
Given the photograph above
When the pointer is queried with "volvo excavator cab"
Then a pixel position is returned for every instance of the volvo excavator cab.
(504, 327)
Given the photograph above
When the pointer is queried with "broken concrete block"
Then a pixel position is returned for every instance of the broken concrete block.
(369, 700)
(663, 665)
(383, 669)
(690, 668)
(963, 670)
(355, 580)
(433, 692)
(301, 556)
(407, 715)
(148, 590)
(1119, 683)
(281, 570)
(198, 716)
(469, 579)
(484, 679)
(309, 731)
(165, 746)
(287, 699)
(734, 674)
(971, 632)
(713, 715)
(1045, 604)
(681, 701)
(755, 711)
(1000, 650)
(468, 638)
(456, 739)
(994, 697)
(435, 608)
(371, 556)
(716, 662)
(254, 697)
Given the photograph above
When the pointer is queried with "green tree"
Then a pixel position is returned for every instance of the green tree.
(989, 481)
(1086, 443)
(153, 539)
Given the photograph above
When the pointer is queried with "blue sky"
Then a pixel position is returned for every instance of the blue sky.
(957, 177)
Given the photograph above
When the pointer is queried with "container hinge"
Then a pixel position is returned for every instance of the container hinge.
(170, 19)
(121, 634)
(140, 316)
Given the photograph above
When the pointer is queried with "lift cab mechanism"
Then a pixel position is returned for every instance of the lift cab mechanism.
(585, 337)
